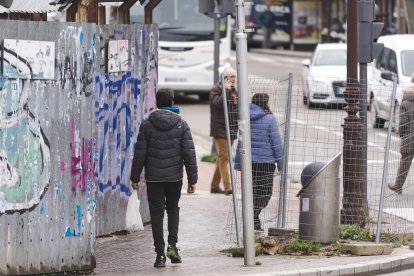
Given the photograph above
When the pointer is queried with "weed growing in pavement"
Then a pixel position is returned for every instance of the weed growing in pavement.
(355, 232)
(258, 263)
(289, 243)
(302, 247)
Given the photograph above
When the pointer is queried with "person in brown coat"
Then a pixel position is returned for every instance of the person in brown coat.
(406, 130)
(218, 128)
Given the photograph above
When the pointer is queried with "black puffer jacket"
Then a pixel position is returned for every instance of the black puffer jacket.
(217, 123)
(164, 145)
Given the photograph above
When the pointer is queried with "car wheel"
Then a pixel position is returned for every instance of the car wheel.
(308, 103)
(375, 121)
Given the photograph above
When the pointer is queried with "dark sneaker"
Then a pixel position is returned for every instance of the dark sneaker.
(395, 188)
(172, 253)
(160, 261)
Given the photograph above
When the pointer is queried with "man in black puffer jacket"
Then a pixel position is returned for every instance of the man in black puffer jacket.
(164, 145)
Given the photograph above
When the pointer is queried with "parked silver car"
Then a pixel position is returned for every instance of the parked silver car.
(324, 76)
(397, 57)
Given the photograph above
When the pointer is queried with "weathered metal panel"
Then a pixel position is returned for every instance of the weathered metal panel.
(123, 99)
(68, 140)
(47, 203)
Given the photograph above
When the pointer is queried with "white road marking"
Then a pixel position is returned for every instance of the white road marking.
(405, 213)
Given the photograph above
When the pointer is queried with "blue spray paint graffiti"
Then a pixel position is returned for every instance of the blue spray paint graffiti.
(73, 233)
(114, 101)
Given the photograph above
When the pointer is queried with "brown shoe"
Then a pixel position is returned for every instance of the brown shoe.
(216, 191)
(395, 188)
(228, 192)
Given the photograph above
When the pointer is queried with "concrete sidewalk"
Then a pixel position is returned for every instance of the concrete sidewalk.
(202, 235)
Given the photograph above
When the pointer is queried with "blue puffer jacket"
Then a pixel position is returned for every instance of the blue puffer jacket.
(266, 143)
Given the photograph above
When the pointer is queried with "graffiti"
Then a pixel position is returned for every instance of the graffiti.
(76, 70)
(148, 102)
(116, 131)
(83, 163)
(24, 149)
(72, 232)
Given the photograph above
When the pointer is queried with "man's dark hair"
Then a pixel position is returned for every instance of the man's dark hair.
(165, 97)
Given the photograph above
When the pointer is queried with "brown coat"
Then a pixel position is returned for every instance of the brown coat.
(406, 125)
(217, 123)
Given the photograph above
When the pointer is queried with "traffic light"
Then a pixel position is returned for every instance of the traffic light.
(368, 32)
(227, 6)
(6, 3)
(208, 6)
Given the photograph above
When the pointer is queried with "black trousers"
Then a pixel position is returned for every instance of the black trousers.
(262, 174)
(164, 196)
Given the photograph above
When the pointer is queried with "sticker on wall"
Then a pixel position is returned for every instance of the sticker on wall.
(117, 56)
(28, 59)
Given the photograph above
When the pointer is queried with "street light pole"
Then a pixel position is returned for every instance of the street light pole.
(244, 127)
(353, 209)
(217, 19)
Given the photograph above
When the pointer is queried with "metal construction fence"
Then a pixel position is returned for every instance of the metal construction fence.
(313, 134)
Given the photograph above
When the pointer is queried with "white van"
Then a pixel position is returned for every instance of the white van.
(397, 56)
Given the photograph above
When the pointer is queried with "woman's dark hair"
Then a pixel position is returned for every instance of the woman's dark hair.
(262, 101)
(164, 97)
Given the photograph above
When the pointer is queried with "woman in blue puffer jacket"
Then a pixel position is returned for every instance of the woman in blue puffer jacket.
(267, 150)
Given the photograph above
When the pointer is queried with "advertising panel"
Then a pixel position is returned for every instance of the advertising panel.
(306, 21)
(280, 15)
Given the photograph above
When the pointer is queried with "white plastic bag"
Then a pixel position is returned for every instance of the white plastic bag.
(133, 218)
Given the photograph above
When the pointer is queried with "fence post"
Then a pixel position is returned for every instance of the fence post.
(386, 154)
(281, 222)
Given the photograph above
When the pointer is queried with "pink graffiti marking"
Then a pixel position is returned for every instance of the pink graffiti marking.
(82, 166)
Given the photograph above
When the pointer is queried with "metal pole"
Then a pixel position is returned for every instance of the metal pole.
(226, 120)
(281, 213)
(386, 154)
(363, 103)
(353, 211)
(217, 17)
(244, 126)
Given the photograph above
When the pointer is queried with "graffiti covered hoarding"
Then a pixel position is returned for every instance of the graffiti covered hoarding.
(123, 100)
(66, 144)
(47, 178)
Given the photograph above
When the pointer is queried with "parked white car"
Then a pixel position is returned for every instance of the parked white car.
(324, 76)
(397, 56)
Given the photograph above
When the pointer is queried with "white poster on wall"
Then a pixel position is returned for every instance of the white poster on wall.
(117, 56)
(28, 59)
